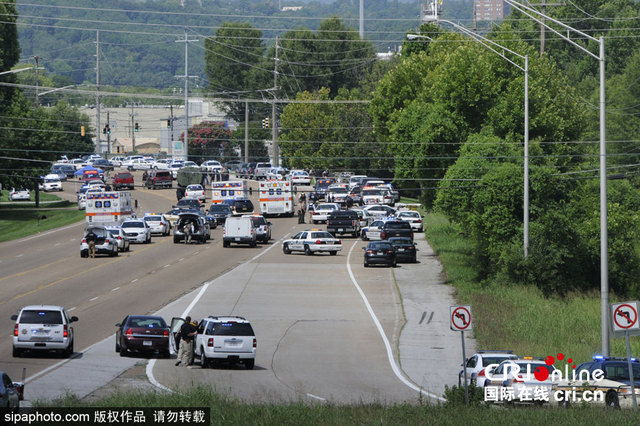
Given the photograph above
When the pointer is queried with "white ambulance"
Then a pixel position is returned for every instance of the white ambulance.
(108, 208)
(276, 197)
(228, 190)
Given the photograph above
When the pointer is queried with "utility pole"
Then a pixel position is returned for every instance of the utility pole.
(246, 131)
(108, 135)
(361, 19)
(171, 127)
(543, 5)
(37, 68)
(98, 147)
(274, 111)
(186, 76)
(133, 132)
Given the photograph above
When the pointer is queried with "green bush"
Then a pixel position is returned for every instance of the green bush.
(455, 396)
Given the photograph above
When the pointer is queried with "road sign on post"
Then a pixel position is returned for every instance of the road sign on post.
(461, 318)
(461, 321)
(624, 322)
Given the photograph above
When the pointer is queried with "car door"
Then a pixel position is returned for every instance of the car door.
(199, 337)
(12, 396)
(298, 241)
(176, 323)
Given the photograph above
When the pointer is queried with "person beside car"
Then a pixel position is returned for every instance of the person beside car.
(188, 332)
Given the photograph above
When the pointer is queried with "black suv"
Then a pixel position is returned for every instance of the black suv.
(220, 212)
(340, 222)
(189, 203)
(396, 228)
(240, 206)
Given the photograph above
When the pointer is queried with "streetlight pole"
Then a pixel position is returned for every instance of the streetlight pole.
(604, 254)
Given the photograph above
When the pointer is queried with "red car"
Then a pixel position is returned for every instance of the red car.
(122, 180)
(142, 333)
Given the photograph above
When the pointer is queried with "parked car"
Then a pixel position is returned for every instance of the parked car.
(340, 222)
(300, 177)
(233, 165)
(475, 366)
(159, 179)
(523, 382)
(238, 230)
(211, 166)
(201, 229)
(11, 393)
(195, 191)
(101, 163)
(137, 231)
(22, 194)
(261, 226)
(240, 206)
(260, 170)
(51, 182)
(122, 180)
(157, 223)
(311, 242)
(321, 212)
(406, 250)
(43, 328)
(162, 164)
(413, 217)
(121, 239)
(396, 228)
(220, 212)
(104, 241)
(379, 253)
(138, 164)
(189, 203)
(142, 333)
(228, 339)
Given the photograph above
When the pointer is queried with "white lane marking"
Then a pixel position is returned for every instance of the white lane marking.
(387, 345)
(115, 289)
(56, 244)
(93, 298)
(166, 266)
(152, 363)
(19, 255)
(40, 235)
(133, 281)
(316, 397)
(181, 259)
(71, 309)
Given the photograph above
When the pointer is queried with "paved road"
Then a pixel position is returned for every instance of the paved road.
(317, 337)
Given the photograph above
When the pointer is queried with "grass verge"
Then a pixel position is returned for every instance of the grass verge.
(225, 411)
(22, 221)
(518, 317)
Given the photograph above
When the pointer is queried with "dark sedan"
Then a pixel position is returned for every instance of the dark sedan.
(379, 253)
(220, 212)
(405, 249)
(142, 333)
(11, 393)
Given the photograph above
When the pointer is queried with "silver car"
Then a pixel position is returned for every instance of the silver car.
(43, 328)
(137, 231)
(121, 239)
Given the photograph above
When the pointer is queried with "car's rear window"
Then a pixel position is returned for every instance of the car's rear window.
(397, 225)
(244, 204)
(321, 235)
(41, 317)
(153, 218)
(380, 246)
(133, 225)
(220, 208)
(123, 176)
(401, 241)
(146, 322)
(233, 329)
(163, 174)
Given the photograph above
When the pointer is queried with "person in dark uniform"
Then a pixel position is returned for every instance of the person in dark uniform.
(91, 238)
(187, 333)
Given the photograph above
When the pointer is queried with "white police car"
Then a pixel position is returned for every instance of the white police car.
(374, 231)
(157, 223)
(137, 231)
(312, 241)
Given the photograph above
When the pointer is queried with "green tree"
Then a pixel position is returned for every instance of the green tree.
(210, 140)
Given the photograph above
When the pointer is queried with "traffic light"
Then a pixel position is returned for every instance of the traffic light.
(106, 130)
(136, 127)
(266, 123)
(168, 123)
(82, 131)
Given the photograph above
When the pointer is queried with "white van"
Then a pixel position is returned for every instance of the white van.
(355, 180)
(238, 230)
(52, 182)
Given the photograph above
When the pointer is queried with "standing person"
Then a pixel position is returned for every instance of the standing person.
(187, 333)
(225, 174)
(90, 238)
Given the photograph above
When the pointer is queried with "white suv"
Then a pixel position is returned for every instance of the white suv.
(43, 328)
(225, 338)
(475, 365)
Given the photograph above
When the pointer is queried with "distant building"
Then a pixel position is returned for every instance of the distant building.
(291, 8)
(490, 10)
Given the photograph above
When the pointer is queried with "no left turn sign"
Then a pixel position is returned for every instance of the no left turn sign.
(625, 316)
(461, 319)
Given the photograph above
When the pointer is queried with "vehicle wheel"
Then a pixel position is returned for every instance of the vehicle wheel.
(354, 235)
(204, 362)
(123, 351)
(117, 347)
(333, 253)
(165, 354)
(83, 254)
(286, 249)
(364, 236)
(69, 351)
(366, 265)
(176, 240)
(394, 264)
(115, 254)
(612, 400)
(225, 244)
(252, 244)
(307, 250)
(17, 353)
(148, 240)
(249, 364)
